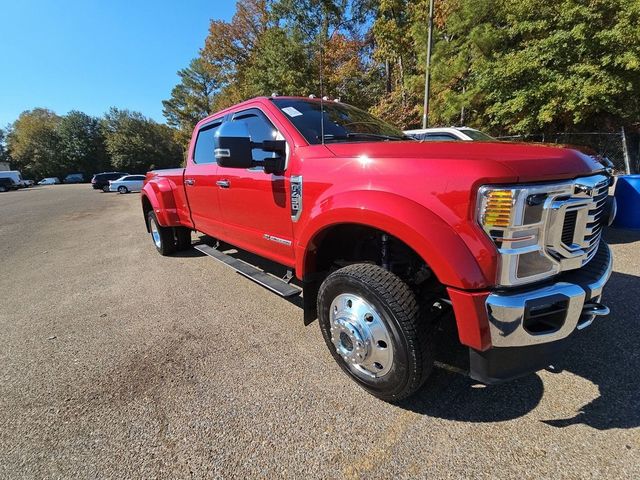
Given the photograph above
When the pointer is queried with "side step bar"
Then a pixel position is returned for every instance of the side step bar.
(252, 273)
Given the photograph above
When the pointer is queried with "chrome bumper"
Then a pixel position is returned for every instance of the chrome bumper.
(550, 313)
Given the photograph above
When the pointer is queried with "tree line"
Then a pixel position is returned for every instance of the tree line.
(504, 66)
(508, 67)
(41, 143)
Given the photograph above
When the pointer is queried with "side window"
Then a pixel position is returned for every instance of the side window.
(203, 153)
(260, 129)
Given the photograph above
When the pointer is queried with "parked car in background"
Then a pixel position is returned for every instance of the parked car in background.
(100, 181)
(126, 184)
(49, 181)
(450, 134)
(7, 184)
(14, 175)
(74, 178)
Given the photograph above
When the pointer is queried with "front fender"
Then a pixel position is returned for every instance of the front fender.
(466, 264)
(160, 195)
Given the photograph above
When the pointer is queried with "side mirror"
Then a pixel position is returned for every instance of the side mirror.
(233, 149)
(233, 145)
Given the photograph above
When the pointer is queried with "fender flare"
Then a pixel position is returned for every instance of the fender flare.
(160, 195)
(434, 240)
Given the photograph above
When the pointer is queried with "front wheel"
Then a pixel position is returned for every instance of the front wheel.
(105, 189)
(370, 321)
(123, 189)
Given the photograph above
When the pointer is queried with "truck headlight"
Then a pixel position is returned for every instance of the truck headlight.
(514, 219)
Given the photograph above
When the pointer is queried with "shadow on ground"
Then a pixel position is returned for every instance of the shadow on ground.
(616, 236)
(605, 354)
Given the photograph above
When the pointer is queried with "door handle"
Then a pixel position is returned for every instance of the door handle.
(190, 181)
(223, 183)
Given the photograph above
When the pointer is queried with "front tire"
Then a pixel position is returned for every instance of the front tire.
(371, 323)
(122, 189)
(105, 189)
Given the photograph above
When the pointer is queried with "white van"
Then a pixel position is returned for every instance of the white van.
(14, 175)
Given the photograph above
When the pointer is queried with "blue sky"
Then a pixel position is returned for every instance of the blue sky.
(93, 54)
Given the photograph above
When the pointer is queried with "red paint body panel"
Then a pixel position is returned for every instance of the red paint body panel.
(422, 193)
(166, 195)
(471, 317)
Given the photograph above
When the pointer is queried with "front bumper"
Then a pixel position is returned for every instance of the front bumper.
(527, 328)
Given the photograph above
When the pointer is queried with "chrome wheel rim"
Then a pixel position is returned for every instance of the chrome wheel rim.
(155, 234)
(360, 336)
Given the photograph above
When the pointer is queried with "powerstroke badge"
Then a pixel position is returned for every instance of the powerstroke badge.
(296, 197)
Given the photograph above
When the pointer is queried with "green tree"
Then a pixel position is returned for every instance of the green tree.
(274, 46)
(136, 143)
(192, 99)
(34, 143)
(228, 48)
(520, 66)
(509, 66)
(279, 63)
(564, 65)
(81, 144)
(4, 152)
(396, 49)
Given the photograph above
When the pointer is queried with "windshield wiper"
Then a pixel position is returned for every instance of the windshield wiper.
(377, 136)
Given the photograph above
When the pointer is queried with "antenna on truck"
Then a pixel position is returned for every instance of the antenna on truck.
(322, 90)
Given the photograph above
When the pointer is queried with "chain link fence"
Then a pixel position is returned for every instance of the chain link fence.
(609, 145)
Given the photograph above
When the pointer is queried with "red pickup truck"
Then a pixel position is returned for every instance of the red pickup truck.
(384, 233)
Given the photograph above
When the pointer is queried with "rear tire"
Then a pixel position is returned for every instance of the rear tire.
(371, 322)
(162, 237)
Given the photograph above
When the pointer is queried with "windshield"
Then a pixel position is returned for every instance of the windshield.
(478, 135)
(342, 123)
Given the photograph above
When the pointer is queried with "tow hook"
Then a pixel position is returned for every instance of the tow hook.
(592, 310)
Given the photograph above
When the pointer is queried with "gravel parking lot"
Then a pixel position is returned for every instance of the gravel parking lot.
(119, 363)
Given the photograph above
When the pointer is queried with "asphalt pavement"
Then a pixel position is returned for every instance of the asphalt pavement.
(116, 362)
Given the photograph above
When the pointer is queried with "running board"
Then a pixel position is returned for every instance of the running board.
(252, 273)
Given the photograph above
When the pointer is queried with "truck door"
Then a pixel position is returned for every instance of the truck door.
(255, 205)
(200, 178)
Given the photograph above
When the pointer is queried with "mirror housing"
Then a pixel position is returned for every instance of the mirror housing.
(233, 149)
(233, 145)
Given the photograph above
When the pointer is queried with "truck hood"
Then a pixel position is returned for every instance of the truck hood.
(528, 162)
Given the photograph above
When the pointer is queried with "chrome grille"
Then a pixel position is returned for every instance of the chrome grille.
(569, 227)
(595, 219)
(575, 221)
